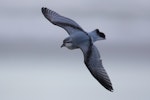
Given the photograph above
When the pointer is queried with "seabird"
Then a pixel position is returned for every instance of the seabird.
(78, 38)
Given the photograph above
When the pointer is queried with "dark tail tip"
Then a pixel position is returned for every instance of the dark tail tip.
(101, 34)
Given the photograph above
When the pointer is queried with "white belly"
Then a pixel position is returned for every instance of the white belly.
(70, 46)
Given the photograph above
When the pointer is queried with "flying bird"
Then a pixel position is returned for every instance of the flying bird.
(78, 38)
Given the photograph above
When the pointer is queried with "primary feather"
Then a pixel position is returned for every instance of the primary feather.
(94, 64)
(69, 25)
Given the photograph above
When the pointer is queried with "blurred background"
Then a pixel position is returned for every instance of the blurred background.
(34, 67)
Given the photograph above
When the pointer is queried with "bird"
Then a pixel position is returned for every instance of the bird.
(80, 39)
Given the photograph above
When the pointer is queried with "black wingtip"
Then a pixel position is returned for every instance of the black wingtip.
(43, 9)
(108, 87)
(101, 34)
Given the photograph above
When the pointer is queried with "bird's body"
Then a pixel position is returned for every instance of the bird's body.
(78, 38)
(75, 40)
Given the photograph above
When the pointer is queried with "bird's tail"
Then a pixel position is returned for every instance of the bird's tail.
(97, 35)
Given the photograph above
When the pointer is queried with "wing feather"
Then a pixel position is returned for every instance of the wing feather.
(94, 64)
(69, 25)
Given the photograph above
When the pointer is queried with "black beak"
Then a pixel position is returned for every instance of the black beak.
(62, 45)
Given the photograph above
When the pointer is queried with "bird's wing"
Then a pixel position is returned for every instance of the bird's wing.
(94, 64)
(69, 25)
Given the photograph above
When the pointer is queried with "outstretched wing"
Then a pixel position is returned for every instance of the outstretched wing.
(94, 64)
(69, 25)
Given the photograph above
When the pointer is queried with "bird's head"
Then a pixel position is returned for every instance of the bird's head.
(67, 43)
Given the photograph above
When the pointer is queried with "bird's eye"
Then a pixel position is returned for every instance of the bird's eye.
(69, 42)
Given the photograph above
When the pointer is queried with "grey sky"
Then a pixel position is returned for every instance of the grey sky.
(137, 7)
(33, 67)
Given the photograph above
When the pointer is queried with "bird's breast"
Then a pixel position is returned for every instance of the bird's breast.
(71, 46)
(68, 44)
